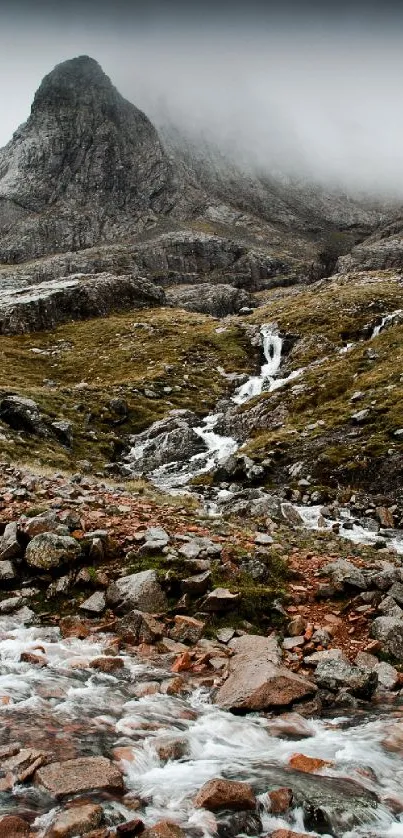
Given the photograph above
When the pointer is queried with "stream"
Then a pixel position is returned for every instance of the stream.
(70, 709)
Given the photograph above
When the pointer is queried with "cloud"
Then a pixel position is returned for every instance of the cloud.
(309, 94)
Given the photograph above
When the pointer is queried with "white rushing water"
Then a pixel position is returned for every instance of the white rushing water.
(72, 710)
(386, 320)
(352, 531)
(174, 475)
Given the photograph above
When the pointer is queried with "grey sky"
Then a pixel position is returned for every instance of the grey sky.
(315, 95)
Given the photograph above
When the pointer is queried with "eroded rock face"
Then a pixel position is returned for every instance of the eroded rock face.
(257, 681)
(140, 591)
(78, 297)
(85, 165)
(168, 440)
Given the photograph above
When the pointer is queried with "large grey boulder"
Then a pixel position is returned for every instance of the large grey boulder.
(140, 591)
(21, 414)
(170, 439)
(343, 573)
(339, 674)
(256, 679)
(49, 550)
(389, 631)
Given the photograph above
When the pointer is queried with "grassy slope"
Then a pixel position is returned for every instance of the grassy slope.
(324, 318)
(95, 361)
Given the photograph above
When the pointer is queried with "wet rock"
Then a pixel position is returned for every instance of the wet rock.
(139, 627)
(22, 765)
(10, 547)
(78, 820)
(75, 776)
(130, 828)
(308, 765)
(220, 599)
(288, 833)
(13, 827)
(280, 800)
(292, 726)
(389, 631)
(385, 517)
(33, 659)
(164, 829)
(187, 629)
(170, 439)
(75, 627)
(256, 681)
(338, 673)
(7, 571)
(140, 591)
(239, 823)
(95, 604)
(48, 550)
(107, 664)
(343, 573)
(197, 585)
(225, 794)
(7, 606)
(171, 749)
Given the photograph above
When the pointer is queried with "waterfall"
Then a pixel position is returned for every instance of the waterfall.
(272, 348)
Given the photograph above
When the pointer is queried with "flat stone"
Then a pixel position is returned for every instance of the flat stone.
(256, 681)
(225, 794)
(13, 827)
(293, 642)
(264, 539)
(75, 776)
(225, 635)
(220, 599)
(78, 820)
(197, 585)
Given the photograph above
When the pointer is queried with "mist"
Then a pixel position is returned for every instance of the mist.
(308, 97)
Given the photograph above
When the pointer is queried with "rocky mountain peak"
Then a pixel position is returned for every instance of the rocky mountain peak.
(86, 167)
(77, 82)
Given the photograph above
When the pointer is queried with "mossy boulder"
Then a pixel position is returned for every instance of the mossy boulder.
(48, 551)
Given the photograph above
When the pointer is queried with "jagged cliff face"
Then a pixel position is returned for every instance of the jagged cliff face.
(85, 167)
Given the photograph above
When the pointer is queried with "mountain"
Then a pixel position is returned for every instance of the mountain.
(86, 165)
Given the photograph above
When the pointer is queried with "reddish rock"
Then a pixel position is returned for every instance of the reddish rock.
(286, 833)
(79, 775)
(105, 664)
(225, 794)
(22, 765)
(75, 627)
(256, 681)
(164, 829)
(187, 629)
(292, 725)
(182, 663)
(13, 827)
(280, 800)
(35, 660)
(78, 820)
(133, 827)
(309, 765)
(173, 749)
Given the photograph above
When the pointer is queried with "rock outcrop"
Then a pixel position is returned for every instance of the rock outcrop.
(43, 306)
(218, 300)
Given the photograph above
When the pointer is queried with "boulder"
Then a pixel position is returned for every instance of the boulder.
(10, 547)
(139, 591)
(75, 776)
(389, 631)
(168, 440)
(22, 414)
(49, 550)
(288, 833)
(225, 794)
(343, 573)
(187, 629)
(197, 585)
(308, 765)
(94, 605)
(139, 627)
(45, 522)
(388, 676)
(164, 829)
(78, 820)
(280, 800)
(217, 300)
(338, 673)
(220, 599)
(257, 681)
